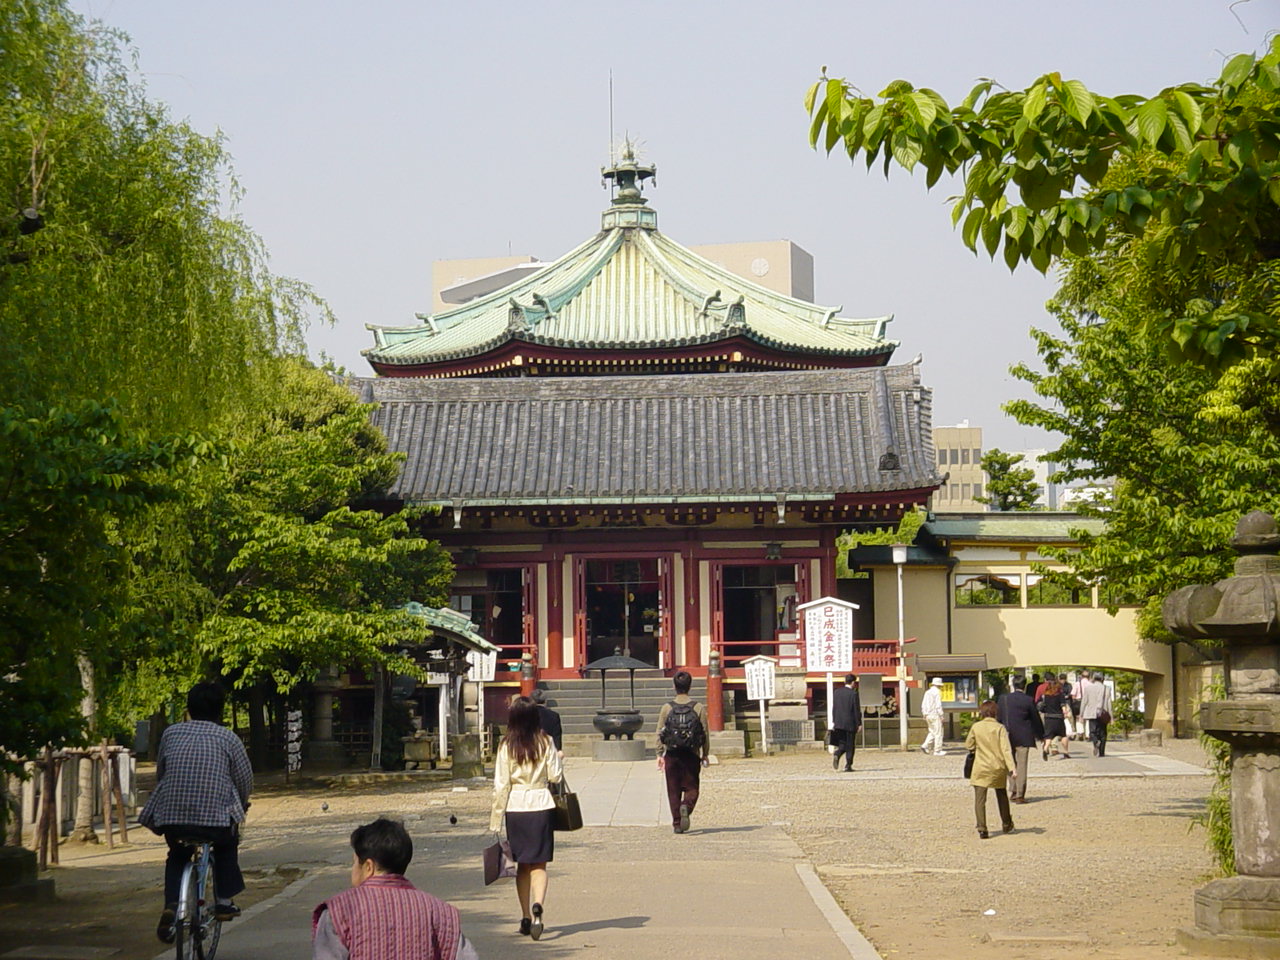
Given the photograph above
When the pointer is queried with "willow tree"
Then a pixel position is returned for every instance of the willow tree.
(122, 274)
(129, 286)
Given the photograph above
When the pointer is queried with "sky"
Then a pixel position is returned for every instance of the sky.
(372, 138)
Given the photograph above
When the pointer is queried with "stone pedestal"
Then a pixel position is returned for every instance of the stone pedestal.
(1152, 738)
(617, 751)
(464, 748)
(1240, 916)
(787, 711)
(19, 877)
(324, 753)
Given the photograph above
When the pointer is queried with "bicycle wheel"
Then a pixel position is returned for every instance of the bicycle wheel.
(187, 925)
(210, 925)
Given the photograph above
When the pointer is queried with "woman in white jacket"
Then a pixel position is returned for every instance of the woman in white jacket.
(527, 762)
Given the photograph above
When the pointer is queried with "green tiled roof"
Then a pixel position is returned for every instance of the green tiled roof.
(630, 288)
(1014, 525)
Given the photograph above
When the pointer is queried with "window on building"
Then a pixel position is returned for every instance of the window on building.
(942, 458)
(494, 601)
(758, 603)
(952, 453)
(964, 455)
(955, 491)
(1117, 595)
(988, 590)
(977, 455)
(966, 490)
(1045, 591)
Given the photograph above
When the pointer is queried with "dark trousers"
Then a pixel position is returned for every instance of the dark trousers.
(980, 806)
(227, 879)
(1098, 734)
(844, 741)
(683, 769)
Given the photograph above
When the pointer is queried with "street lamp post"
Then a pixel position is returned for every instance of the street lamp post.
(900, 558)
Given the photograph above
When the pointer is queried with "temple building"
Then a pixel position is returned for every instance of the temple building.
(633, 449)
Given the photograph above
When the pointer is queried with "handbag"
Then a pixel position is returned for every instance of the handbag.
(968, 764)
(1104, 716)
(568, 813)
(498, 862)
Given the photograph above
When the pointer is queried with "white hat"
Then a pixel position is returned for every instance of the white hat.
(935, 682)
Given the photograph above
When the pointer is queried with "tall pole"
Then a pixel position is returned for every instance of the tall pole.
(900, 558)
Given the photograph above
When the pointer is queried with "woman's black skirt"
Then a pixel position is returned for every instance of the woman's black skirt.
(531, 836)
(1054, 727)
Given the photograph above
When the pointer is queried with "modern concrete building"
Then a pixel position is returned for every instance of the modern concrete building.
(960, 451)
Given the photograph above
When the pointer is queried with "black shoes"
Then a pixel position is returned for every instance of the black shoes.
(226, 911)
(684, 818)
(526, 925)
(1008, 827)
(983, 835)
(164, 929)
(835, 761)
(535, 927)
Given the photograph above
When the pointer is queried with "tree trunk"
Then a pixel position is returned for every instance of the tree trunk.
(86, 781)
(258, 726)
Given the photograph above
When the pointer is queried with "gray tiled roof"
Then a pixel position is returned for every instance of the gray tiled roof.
(743, 436)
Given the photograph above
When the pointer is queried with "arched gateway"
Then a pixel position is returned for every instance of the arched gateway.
(633, 448)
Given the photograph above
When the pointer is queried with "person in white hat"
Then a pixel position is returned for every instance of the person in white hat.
(931, 709)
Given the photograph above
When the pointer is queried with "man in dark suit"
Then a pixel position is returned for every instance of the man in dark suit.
(1018, 713)
(549, 719)
(846, 718)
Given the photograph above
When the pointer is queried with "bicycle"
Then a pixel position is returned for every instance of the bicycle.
(196, 926)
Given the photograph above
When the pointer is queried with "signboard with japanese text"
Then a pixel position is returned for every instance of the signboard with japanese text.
(959, 691)
(828, 635)
(481, 666)
(760, 673)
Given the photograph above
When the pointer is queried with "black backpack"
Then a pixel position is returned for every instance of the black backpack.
(683, 729)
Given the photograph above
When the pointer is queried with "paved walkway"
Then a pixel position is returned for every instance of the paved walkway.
(624, 887)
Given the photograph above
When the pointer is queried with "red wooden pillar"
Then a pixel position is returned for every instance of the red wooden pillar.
(692, 609)
(715, 693)
(555, 629)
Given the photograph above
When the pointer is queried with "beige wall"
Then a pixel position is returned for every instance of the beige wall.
(776, 264)
(1020, 636)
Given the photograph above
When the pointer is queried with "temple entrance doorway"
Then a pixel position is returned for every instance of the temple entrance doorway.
(623, 604)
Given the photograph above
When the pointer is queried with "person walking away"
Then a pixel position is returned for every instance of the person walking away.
(1022, 721)
(1095, 710)
(383, 915)
(846, 719)
(931, 709)
(992, 763)
(526, 764)
(549, 720)
(1053, 707)
(682, 750)
(1068, 718)
(1033, 687)
(203, 782)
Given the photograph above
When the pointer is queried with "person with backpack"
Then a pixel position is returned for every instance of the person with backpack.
(682, 750)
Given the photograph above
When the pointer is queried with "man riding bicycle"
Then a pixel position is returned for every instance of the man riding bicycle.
(203, 781)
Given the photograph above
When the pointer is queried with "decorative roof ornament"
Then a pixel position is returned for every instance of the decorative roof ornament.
(628, 175)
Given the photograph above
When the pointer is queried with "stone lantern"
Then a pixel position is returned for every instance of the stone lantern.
(1241, 915)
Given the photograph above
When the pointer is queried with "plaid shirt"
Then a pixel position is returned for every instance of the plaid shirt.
(203, 778)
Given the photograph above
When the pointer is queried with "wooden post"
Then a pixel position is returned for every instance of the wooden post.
(42, 831)
(379, 699)
(119, 795)
(106, 796)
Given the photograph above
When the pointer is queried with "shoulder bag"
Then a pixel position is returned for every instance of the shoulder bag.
(968, 764)
(568, 814)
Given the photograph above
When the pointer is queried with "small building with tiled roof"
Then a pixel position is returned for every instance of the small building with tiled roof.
(634, 449)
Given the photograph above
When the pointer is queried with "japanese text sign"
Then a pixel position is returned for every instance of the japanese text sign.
(828, 636)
